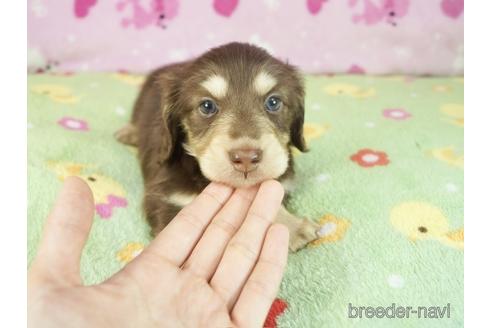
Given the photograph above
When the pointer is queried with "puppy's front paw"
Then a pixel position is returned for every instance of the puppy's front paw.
(303, 233)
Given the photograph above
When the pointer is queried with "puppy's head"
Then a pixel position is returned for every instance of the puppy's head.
(238, 111)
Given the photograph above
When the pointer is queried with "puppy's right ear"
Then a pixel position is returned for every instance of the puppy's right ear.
(169, 125)
(169, 134)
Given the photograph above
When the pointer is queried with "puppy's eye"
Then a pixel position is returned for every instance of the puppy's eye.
(273, 104)
(208, 108)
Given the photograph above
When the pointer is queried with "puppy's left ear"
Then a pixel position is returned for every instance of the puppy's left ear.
(297, 134)
(296, 128)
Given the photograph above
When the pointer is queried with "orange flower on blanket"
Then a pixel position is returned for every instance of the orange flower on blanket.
(332, 229)
(129, 252)
(314, 130)
(370, 158)
(132, 79)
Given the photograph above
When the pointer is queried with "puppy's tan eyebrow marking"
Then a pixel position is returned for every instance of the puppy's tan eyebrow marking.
(216, 85)
(264, 82)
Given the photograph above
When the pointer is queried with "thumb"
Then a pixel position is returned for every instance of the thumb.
(65, 233)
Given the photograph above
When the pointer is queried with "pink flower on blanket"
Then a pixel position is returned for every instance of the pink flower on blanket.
(73, 124)
(396, 114)
(105, 210)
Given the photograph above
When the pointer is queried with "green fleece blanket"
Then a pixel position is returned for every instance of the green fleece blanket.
(384, 177)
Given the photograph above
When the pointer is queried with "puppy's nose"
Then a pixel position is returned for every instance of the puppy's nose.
(245, 159)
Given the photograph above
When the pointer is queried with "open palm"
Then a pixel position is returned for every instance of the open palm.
(217, 264)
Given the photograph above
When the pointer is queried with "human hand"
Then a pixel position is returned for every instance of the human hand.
(218, 263)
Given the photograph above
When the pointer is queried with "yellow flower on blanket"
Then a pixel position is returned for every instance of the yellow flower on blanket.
(57, 93)
(442, 88)
(459, 80)
(131, 79)
(129, 252)
(351, 90)
(455, 114)
(66, 169)
(107, 193)
(396, 78)
(423, 221)
(449, 156)
(332, 229)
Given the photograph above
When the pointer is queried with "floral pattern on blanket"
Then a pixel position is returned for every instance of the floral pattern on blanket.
(383, 177)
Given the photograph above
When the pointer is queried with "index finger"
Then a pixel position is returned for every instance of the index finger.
(178, 239)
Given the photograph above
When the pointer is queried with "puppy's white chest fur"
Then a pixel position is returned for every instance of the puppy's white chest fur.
(180, 199)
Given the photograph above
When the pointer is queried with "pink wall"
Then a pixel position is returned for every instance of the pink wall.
(372, 36)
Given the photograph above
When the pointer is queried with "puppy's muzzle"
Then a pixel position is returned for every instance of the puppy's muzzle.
(245, 160)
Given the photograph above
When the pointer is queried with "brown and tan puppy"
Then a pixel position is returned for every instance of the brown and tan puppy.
(231, 116)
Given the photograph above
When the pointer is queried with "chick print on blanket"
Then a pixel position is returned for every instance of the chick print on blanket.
(131, 79)
(454, 114)
(57, 93)
(108, 194)
(349, 90)
(421, 221)
(449, 156)
(383, 178)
